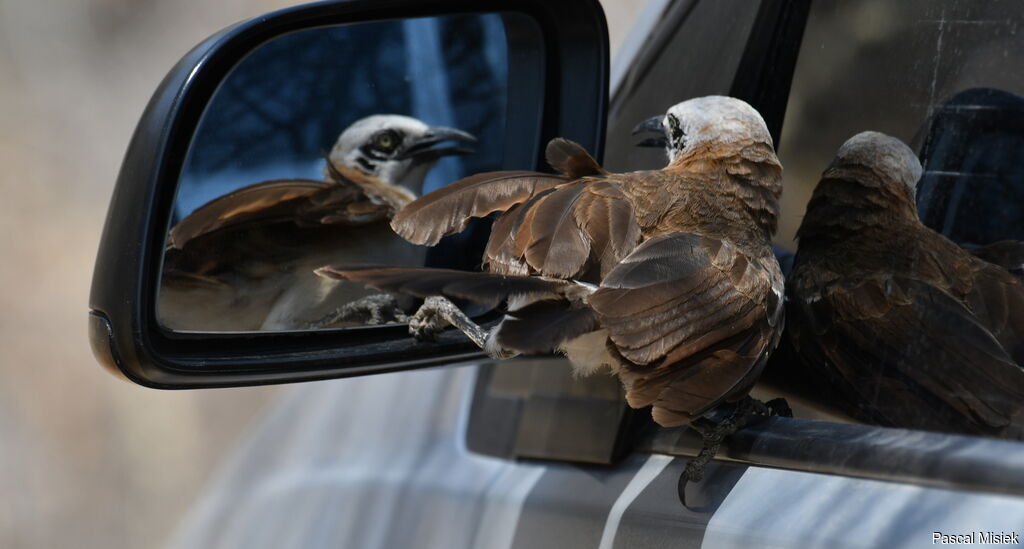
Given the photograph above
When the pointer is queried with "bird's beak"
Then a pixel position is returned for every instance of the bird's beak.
(420, 150)
(652, 124)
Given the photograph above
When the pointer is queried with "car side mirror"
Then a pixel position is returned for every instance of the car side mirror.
(298, 134)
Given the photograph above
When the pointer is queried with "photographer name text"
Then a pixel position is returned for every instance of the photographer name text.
(991, 538)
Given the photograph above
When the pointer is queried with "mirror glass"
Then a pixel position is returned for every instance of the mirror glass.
(307, 149)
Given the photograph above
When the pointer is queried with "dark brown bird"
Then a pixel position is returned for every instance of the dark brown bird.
(245, 260)
(907, 327)
(665, 276)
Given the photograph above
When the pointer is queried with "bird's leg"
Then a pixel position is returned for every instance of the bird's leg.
(713, 434)
(438, 312)
(368, 311)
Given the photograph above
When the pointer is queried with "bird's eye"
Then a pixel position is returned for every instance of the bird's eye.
(386, 141)
(677, 132)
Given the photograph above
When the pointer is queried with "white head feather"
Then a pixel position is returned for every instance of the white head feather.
(714, 120)
(376, 145)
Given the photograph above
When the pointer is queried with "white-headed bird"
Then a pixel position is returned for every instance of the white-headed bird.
(665, 276)
(245, 260)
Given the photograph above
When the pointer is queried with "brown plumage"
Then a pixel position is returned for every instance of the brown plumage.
(245, 260)
(908, 328)
(229, 264)
(208, 243)
(1008, 254)
(665, 276)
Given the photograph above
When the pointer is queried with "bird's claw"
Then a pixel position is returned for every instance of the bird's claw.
(437, 313)
(713, 436)
(372, 310)
(428, 320)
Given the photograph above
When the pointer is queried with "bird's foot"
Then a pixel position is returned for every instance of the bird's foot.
(372, 310)
(437, 313)
(429, 320)
(713, 434)
(778, 407)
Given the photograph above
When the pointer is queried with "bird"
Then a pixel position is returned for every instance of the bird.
(667, 277)
(245, 260)
(902, 325)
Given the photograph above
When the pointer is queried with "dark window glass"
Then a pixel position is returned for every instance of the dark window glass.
(944, 77)
(920, 71)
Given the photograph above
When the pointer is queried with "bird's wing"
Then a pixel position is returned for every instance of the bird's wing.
(340, 205)
(695, 318)
(261, 228)
(997, 300)
(1008, 254)
(303, 201)
(907, 352)
(448, 209)
(571, 159)
(487, 289)
(579, 230)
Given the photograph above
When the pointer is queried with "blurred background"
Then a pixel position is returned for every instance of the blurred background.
(88, 460)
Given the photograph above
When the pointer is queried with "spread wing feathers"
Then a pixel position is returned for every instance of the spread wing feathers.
(1008, 254)
(302, 201)
(447, 210)
(571, 159)
(254, 232)
(694, 317)
(606, 217)
(910, 354)
(487, 289)
(548, 238)
(499, 255)
(565, 232)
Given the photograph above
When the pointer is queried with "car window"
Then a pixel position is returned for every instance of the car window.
(944, 77)
(895, 67)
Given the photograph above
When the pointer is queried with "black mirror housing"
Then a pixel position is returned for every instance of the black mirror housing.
(570, 86)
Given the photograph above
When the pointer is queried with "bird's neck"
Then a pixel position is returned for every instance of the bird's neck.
(748, 180)
(840, 210)
(376, 189)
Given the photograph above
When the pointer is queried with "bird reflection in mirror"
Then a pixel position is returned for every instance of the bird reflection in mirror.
(906, 327)
(245, 260)
(665, 277)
